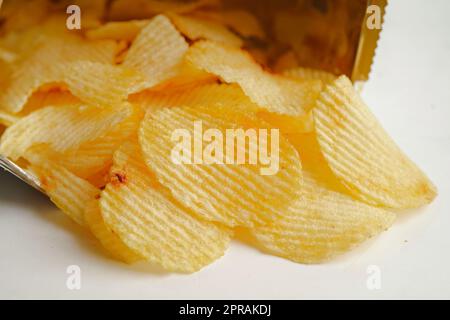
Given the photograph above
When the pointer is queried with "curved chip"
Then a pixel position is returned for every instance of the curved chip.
(321, 225)
(275, 93)
(47, 66)
(7, 119)
(61, 128)
(209, 95)
(117, 30)
(100, 84)
(224, 179)
(197, 29)
(310, 74)
(93, 156)
(110, 241)
(67, 191)
(157, 52)
(150, 222)
(362, 155)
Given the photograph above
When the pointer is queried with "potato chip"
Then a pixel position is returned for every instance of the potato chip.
(7, 119)
(99, 84)
(310, 74)
(70, 193)
(362, 155)
(157, 52)
(93, 157)
(110, 241)
(47, 66)
(53, 97)
(228, 190)
(150, 222)
(274, 93)
(197, 29)
(117, 30)
(208, 95)
(320, 225)
(288, 124)
(61, 128)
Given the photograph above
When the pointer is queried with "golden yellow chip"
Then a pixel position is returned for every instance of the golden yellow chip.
(7, 119)
(274, 93)
(99, 84)
(47, 66)
(53, 97)
(61, 128)
(157, 52)
(92, 157)
(117, 30)
(150, 222)
(321, 225)
(70, 193)
(288, 124)
(310, 74)
(362, 155)
(225, 165)
(208, 95)
(197, 29)
(110, 241)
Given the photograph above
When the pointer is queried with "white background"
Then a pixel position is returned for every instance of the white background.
(409, 91)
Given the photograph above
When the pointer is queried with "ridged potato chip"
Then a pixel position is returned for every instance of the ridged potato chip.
(362, 155)
(310, 74)
(67, 191)
(274, 93)
(234, 192)
(117, 30)
(213, 95)
(150, 222)
(197, 29)
(93, 157)
(100, 84)
(157, 52)
(110, 241)
(61, 128)
(321, 225)
(47, 66)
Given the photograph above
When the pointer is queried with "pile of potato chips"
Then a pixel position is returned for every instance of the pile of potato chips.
(90, 112)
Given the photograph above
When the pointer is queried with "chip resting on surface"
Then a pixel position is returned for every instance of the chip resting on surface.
(362, 155)
(224, 189)
(150, 222)
(110, 241)
(320, 225)
(69, 193)
(272, 92)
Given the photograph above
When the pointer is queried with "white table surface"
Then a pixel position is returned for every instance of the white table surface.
(409, 91)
